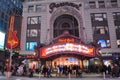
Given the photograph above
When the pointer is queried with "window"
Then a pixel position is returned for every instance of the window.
(118, 43)
(6, 17)
(5, 0)
(100, 30)
(28, 20)
(34, 20)
(98, 16)
(1, 23)
(39, 19)
(118, 32)
(0, 4)
(92, 4)
(30, 8)
(104, 43)
(114, 3)
(5, 26)
(2, 15)
(32, 32)
(30, 45)
(101, 4)
(116, 17)
(99, 19)
(2, 40)
(40, 8)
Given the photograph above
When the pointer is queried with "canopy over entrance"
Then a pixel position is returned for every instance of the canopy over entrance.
(67, 44)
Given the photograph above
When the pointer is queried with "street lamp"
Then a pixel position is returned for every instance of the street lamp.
(12, 42)
(10, 57)
(9, 66)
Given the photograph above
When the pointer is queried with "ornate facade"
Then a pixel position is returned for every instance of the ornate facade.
(94, 21)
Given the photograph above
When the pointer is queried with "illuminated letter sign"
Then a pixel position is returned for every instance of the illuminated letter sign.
(67, 47)
(12, 40)
(66, 40)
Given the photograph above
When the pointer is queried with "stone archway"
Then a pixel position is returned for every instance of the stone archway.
(69, 11)
(63, 23)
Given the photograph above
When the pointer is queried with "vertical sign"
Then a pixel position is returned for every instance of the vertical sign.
(12, 40)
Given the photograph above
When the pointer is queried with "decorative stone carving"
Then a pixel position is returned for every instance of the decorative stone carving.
(70, 11)
(57, 5)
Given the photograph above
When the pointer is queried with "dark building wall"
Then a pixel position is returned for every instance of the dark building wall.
(2, 56)
(17, 26)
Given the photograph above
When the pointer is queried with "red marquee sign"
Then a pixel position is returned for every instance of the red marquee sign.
(67, 48)
(65, 40)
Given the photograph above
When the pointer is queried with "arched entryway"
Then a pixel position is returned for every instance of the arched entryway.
(66, 17)
(66, 22)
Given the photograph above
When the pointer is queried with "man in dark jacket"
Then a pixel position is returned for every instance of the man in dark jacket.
(115, 71)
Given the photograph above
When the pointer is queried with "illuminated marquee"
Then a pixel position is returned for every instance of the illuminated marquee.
(67, 47)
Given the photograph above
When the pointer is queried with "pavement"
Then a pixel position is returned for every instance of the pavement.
(34, 78)
(85, 77)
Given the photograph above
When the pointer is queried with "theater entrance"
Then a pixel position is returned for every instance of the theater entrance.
(66, 50)
(66, 61)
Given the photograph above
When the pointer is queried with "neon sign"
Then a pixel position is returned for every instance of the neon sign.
(12, 40)
(67, 47)
(66, 40)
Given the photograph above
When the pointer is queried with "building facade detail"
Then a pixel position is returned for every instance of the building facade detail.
(56, 5)
(69, 11)
(81, 11)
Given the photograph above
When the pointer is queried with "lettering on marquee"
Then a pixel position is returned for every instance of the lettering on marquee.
(70, 47)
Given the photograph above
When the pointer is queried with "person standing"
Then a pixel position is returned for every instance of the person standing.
(116, 69)
(49, 72)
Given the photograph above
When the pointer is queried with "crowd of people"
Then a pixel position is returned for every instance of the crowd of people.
(61, 70)
(22, 70)
(46, 71)
(113, 69)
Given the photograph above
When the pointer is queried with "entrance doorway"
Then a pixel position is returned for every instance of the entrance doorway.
(67, 61)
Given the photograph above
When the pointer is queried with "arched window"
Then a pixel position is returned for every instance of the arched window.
(66, 23)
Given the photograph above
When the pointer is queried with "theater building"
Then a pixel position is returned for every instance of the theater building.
(86, 22)
(67, 50)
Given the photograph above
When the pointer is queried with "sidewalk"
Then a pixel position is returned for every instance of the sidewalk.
(86, 77)
(36, 78)
(41, 78)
